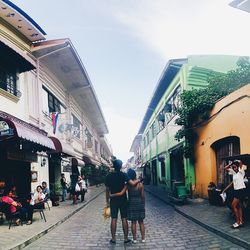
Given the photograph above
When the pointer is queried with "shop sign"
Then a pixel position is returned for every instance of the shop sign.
(19, 155)
(67, 168)
(5, 129)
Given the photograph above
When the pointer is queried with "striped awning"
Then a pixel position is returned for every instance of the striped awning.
(23, 130)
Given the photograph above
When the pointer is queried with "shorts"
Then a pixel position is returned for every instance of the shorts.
(116, 206)
(240, 194)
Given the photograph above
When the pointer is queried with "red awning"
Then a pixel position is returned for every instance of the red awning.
(77, 162)
(24, 130)
(87, 160)
(91, 161)
(62, 147)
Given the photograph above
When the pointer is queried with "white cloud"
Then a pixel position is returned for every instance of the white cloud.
(179, 28)
(122, 131)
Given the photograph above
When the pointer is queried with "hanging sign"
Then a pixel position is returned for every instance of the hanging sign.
(5, 130)
(21, 155)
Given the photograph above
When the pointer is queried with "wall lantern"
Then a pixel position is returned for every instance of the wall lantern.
(43, 162)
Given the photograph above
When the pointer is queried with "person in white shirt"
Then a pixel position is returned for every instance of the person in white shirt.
(35, 202)
(236, 169)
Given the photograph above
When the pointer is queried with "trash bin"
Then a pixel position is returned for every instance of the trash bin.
(181, 191)
(214, 195)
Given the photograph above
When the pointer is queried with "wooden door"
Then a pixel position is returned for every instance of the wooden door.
(223, 148)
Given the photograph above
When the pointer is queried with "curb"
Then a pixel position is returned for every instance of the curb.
(224, 235)
(39, 235)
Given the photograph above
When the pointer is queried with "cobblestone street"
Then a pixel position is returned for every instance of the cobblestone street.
(165, 229)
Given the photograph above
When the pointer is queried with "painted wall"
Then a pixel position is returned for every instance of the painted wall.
(192, 75)
(232, 120)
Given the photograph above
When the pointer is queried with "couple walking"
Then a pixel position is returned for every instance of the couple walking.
(117, 184)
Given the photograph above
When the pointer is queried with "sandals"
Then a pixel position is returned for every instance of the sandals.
(18, 222)
(29, 222)
(235, 225)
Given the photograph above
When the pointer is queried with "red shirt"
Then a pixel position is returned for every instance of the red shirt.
(9, 200)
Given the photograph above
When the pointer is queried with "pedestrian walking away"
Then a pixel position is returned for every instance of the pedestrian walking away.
(236, 169)
(136, 205)
(64, 187)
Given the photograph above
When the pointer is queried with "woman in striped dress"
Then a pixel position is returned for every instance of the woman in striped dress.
(136, 205)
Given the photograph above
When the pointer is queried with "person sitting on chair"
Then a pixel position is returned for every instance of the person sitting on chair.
(36, 203)
(14, 207)
(45, 190)
(12, 192)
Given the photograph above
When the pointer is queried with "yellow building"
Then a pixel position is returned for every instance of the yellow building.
(225, 134)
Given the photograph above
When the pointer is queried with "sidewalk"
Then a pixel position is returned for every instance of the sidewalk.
(18, 237)
(214, 218)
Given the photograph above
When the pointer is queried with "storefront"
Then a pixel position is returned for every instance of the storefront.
(63, 160)
(20, 143)
(59, 158)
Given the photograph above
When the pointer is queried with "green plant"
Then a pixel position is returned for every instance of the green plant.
(196, 104)
(86, 171)
(55, 189)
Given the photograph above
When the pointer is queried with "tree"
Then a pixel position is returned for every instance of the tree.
(196, 104)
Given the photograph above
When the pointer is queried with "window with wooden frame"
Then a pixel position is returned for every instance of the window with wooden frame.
(51, 103)
(8, 80)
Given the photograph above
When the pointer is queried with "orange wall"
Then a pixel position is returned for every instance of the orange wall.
(233, 120)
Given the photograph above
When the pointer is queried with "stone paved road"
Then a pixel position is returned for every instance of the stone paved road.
(165, 229)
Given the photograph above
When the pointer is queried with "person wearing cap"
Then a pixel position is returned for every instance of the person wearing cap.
(115, 182)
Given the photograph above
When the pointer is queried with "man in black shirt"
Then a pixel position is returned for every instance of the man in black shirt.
(115, 182)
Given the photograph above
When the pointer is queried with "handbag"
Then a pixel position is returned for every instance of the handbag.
(77, 188)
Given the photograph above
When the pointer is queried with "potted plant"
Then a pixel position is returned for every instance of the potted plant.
(55, 193)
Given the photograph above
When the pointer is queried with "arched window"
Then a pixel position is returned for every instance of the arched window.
(228, 146)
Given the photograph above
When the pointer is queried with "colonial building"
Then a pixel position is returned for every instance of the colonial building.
(161, 154)
(50, 117)
(225, 134)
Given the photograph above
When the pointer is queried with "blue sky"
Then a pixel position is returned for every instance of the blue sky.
(125, 44)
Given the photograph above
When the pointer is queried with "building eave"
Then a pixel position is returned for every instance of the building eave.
(170, 71)
(21, 21)
(62, 59)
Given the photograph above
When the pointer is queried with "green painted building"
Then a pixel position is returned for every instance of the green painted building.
(159, 153)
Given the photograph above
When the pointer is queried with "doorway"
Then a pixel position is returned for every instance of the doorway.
(177, 172)
(154, 172)
(225, 147)
(16, 173)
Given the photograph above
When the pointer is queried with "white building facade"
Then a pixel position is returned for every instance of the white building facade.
(50, 117)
